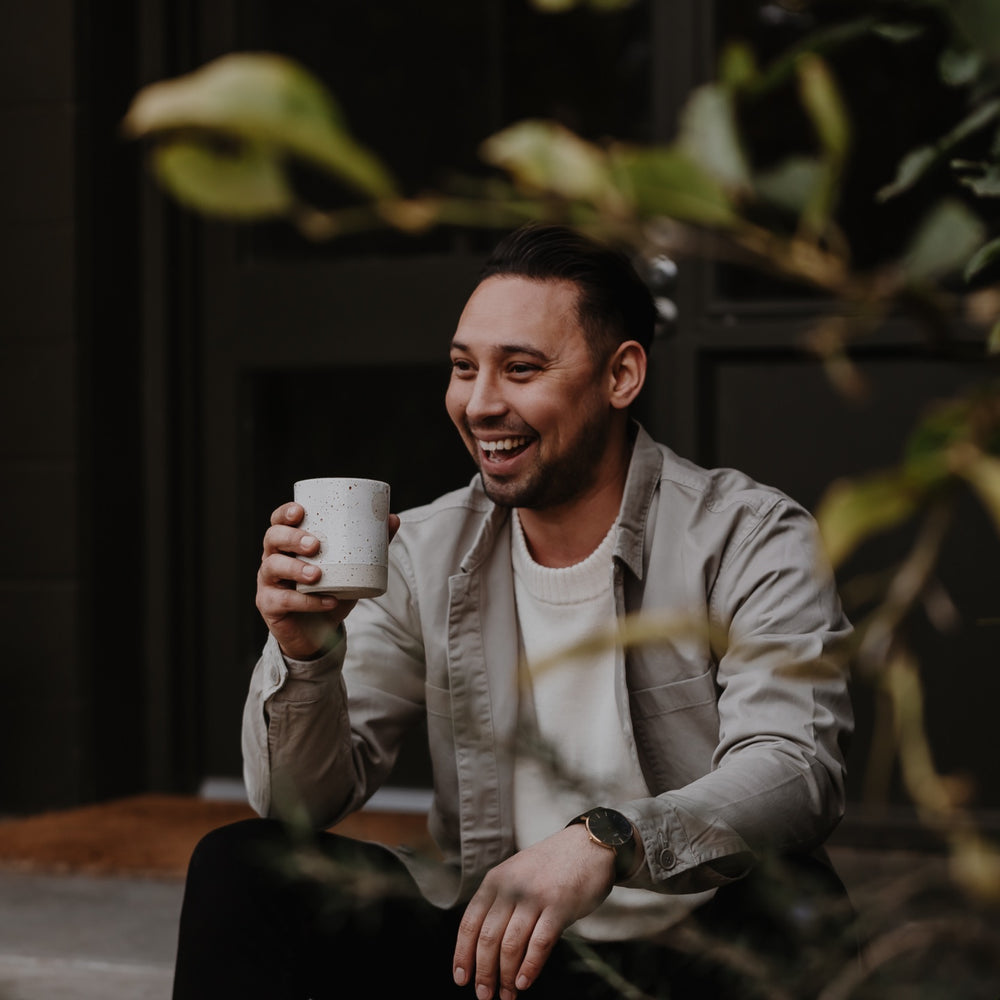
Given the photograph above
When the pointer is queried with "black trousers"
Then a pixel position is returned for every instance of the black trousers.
(272, 912)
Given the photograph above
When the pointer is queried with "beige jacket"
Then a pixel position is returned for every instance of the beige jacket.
(739, 720)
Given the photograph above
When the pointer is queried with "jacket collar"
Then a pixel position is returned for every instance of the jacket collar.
(640, 487)
(496, 519)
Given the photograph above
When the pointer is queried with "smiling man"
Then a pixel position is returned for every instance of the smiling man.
(596, 805)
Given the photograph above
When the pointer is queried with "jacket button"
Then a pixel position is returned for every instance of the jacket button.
(667, 858)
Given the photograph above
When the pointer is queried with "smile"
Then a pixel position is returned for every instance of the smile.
(504, 444)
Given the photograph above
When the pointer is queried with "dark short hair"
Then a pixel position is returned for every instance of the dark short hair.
(614, 303)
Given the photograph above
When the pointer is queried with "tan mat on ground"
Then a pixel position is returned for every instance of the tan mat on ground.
(152, 835)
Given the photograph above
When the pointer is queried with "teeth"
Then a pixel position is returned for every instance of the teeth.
(505, 445)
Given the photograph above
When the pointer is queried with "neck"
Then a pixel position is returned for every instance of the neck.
(567, 534)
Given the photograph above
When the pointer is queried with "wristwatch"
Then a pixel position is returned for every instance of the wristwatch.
(614, 831)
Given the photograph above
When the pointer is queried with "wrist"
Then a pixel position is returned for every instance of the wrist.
(613, 831)
(315, 644)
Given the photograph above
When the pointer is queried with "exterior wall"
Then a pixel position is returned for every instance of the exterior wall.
(45, 701)
(69, 432)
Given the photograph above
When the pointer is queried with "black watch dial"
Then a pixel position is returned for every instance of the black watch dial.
(609, 827)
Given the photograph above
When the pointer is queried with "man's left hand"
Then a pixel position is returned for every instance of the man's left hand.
(522, 907)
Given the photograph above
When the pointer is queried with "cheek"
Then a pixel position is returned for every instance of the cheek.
(454, 402)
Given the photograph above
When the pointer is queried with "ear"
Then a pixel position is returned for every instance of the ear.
(627, 374)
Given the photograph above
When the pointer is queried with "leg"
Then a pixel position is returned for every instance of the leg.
(786, 929)
(789, 925)
(266, 915)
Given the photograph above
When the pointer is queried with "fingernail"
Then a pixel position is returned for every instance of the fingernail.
(310, 572)
(307, 542)
(522, 982)
(460, 977)
(483, 992)
(328, 602)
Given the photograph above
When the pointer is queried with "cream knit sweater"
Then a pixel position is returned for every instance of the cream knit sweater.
(581, 755)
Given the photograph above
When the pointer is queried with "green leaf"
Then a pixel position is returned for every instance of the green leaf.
(985, 183)
(243, 184)
(993, 341)
(983, 475)
(940, 427)
(738, 66)
(546, 156)
(947, 237)
(853, 510)
(790, 185)
(959, 67)
(665, 181)
(821, 99)
(710, 136)
(823, 103)
(900, 32)
(265, 100)
(911, 168)
(919, 161)
(982, 258)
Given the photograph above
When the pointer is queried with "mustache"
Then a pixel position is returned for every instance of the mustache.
(500, 427)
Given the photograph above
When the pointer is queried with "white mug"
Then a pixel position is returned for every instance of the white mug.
(350, 519)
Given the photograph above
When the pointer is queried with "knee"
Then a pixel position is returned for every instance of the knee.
(233, 849)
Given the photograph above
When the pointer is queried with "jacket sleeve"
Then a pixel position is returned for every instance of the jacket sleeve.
(304, 750)
(776, 783)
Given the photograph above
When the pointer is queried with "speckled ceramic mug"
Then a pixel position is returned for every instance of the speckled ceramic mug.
(349, 517)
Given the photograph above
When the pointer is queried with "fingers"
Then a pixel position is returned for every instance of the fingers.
(543, 938)
(288, 513)
(277, 597)
(506, 945)
(496, 946)
(283, 536)
(468, 936)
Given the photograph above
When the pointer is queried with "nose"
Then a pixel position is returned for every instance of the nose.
(485, 398)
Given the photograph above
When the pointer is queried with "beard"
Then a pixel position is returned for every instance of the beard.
(557, 480)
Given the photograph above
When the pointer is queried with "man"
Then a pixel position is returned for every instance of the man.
(582, 808)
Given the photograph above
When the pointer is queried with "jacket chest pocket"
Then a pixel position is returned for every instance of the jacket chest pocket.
(676, 728)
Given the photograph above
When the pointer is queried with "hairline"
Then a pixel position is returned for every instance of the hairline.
(601, 343)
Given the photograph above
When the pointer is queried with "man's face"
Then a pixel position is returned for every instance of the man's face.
(526, 395)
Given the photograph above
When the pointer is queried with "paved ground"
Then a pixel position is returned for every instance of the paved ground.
(72, 937)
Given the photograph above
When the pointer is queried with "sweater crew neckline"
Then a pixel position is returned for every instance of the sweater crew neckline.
(583, 581)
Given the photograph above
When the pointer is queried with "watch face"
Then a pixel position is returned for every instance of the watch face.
(609, 827)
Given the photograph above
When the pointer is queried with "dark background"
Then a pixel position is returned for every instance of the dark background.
(165, 379)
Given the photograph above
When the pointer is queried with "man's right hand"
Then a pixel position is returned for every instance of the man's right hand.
(303, 624)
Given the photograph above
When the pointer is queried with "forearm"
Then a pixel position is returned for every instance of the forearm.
(762, 801)
(296, 737)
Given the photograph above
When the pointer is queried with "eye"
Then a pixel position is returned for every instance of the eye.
(522, 368)
(460, 367)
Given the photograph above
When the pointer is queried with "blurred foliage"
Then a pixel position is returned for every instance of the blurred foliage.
(224, 138)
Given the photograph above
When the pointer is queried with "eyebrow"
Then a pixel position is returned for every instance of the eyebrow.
(505, 349)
